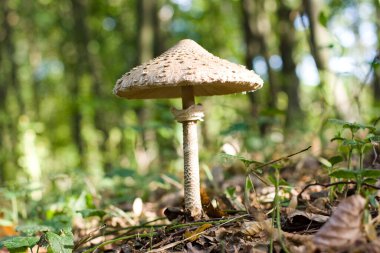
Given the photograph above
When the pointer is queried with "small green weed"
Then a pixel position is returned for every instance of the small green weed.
(359, 140)
(56, 235)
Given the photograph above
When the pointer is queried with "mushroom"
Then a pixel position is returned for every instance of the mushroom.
(184, 71)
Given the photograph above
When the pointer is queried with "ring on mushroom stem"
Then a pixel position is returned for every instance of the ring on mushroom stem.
(184, 71)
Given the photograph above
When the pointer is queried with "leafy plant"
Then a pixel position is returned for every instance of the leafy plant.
(56, 235)
(274, 180)
(351, 144)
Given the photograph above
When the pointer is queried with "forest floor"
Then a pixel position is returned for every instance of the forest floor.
(314, 217)
(296, 203)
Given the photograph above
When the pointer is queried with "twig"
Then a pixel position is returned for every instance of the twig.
(88, 237)
(128, 229)
(119, 239)
(333, 184)
(171, 245)
(279, 159)
(145, 235)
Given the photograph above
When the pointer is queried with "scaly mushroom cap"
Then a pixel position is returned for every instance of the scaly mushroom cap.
(186, 63)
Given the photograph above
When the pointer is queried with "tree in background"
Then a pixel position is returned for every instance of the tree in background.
(60, 60)
(257, 28)
(376, 66)
(290, 81)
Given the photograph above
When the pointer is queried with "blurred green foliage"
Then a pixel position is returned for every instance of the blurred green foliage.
(68, 144)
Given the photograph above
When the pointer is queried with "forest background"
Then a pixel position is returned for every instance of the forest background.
(67, 143)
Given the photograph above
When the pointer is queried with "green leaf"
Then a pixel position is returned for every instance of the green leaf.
(248, 184)
(375, 120)
(371, 173)
(323, 18)
(345, 174)
(59, 222)
(349, 142)
(325, 162)
(247, 189)
(32, 229)
(272, 179)
(60, 243)
(92, 212)
(373, 201)
(230, 191)
(237, 127)
(356, 126)
(244, 160)
(282, 182)
(352, 126)
(375, 139)
(370, 180)
(272, 112)
(337, 138)
(121, 172)
(20, 241)
(335, 160)
(337, 121)
(278, 165)
(18, 250)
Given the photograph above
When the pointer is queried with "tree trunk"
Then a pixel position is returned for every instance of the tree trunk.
(146, 18)
(290, 79)
(376, 79)
(256, 29)
(376, 83)
(86, 64)
(330, 90)
(9, 85)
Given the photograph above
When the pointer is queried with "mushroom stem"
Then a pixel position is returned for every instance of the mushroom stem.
(191, 163)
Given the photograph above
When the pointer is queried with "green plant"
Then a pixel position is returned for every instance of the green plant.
(330, 165)
(56, 235)
(274, 180)
(348, 145)
(277, 182)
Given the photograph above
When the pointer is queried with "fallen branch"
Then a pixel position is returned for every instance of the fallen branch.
(176, 226)
(334, 184)
(171, 245)
(280, 159)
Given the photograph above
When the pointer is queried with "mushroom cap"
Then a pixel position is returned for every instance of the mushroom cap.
(186, 64)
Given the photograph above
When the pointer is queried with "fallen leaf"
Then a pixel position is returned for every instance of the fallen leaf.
(345, 225)
(310, 216)
(173, 213)
(192, 236)
(6, 231)
(370, 231)
(319, 206)
(7, 228)
(211, 210)
(293, 202)
(254, 228)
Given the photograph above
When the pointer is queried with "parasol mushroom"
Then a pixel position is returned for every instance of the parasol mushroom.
(184, 71)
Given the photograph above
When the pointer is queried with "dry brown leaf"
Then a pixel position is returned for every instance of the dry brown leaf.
(192, 236)
(293, 202)
(372, 247)
(7, 231)
(7, 228)
(254, 228)
(310, 216)
(319, 206)
(370, 231)
(210, 210)
(345, 225)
